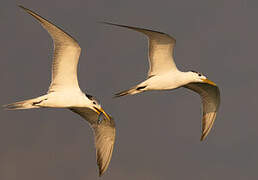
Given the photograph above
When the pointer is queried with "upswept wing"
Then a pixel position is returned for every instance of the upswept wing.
(210, 102)
(161, 48)
(65, 58)
(104, 136)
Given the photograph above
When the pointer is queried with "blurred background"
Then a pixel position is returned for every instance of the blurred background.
(157, 132)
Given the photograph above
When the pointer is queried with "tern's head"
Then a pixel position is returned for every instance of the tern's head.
(199, 77)
(95, 106)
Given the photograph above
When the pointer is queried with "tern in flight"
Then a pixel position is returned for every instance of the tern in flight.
(64, 92)
(164, 75)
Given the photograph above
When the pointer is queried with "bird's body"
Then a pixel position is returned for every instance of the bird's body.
(65, 99)
(164, 75)
(167, 81)
(64, 92)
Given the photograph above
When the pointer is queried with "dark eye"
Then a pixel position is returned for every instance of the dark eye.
(199, 75)
(94, 102)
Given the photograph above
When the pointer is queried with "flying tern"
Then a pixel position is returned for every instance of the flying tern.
(164, 75)
(64, 92)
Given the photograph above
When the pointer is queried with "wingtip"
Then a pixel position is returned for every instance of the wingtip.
(110, 23)
(24, 8)
(21, 6)
(119, 25)
(203, 137)
(138, 29)
(100, 173)
(101, 170)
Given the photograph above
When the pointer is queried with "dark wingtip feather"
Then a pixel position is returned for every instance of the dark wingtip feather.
(122, 93)
(118, 25)
(202, 138)
(204, 135)
(100, 173)
(20, 6)
(109, 23)
(131, 27)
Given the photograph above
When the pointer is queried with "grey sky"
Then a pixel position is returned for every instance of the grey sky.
(157, 132)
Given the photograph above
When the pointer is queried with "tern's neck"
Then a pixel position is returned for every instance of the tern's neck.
(186, 77)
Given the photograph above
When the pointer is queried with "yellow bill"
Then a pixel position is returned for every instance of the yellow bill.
(100, 110)
(209, 82)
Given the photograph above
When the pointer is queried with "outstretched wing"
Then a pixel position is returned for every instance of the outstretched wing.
(104, 136)
(66, 55)
(161, 48)
(210, 95)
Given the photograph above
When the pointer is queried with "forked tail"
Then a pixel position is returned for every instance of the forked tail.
(134, 90)
(27, 104)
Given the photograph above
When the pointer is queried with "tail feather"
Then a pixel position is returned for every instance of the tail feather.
(123, 93)
(134, 90)
(27, 104)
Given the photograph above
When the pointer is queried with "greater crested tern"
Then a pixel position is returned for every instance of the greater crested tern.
(64, 92)
(164, 75)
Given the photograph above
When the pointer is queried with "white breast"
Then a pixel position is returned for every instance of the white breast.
(66, 99)
(167, 81)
